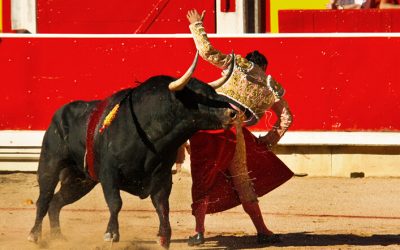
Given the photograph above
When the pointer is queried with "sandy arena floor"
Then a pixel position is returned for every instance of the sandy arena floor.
(310, 213)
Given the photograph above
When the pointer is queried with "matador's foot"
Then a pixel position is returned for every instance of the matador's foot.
(196, 239)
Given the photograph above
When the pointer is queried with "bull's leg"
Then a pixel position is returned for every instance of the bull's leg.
(161, 204)
(114, 202)
(73, 187)
(47, 183)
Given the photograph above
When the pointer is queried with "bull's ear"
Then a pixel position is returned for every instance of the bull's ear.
(218, 83)
(180, 83)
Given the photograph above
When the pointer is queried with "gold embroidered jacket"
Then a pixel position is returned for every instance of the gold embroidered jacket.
(249, 86)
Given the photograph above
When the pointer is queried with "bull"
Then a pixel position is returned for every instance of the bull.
(128, 142)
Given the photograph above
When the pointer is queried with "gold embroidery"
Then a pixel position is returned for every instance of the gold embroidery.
(248, 83)
(109, 118)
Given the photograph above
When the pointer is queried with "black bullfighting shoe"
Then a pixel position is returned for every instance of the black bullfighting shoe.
(196, 239)
(268, 239)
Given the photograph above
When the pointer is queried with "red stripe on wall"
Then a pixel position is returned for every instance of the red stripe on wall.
(332, 83)
(267, 16)
(6, 16)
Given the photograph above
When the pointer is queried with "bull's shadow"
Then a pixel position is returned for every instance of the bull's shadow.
(302, 239)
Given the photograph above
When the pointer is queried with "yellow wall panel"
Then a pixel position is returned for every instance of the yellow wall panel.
(277, 5)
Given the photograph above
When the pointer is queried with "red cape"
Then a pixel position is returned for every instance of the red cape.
(211, 155)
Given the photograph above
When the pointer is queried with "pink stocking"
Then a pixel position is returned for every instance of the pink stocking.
(253, 210)
(200, 215)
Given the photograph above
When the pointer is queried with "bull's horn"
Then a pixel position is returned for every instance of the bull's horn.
(219, 82)
(180, 83)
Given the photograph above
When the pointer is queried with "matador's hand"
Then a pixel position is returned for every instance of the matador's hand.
(194, 16)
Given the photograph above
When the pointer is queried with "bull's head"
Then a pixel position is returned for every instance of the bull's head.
(180, 83)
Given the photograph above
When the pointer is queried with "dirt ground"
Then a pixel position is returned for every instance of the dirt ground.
(309, 213)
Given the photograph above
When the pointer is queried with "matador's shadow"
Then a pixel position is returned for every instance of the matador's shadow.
(302, 239)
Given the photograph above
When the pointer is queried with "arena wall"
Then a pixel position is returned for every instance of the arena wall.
(277, 5)
(337, 84)
(364, 20)
(1, 16)
(5, 16)
(120, 16)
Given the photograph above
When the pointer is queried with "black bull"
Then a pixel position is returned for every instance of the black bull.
(135, 153)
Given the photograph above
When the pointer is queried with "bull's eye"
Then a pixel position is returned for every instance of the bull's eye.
(233, 114)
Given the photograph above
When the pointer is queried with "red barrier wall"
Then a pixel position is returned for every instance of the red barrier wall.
(332, 83)
(120, 16)
(368, 20)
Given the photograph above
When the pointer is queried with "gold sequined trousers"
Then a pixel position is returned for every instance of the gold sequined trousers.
(238, 169)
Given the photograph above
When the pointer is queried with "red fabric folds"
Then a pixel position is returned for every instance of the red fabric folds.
(212, 152)
(94, 120)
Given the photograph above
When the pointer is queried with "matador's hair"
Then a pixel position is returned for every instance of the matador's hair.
(257, 58)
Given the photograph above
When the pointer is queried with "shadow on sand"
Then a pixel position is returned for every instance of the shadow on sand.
(298, 240)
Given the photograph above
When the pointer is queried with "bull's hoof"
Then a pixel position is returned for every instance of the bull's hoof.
(33, 237)
(114, 237)
(57, 235)
(165, 241)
